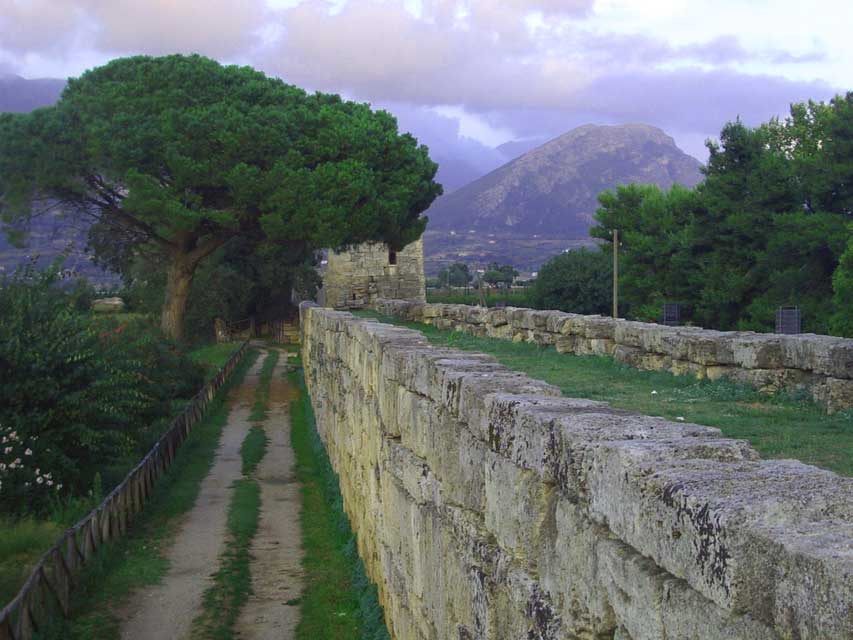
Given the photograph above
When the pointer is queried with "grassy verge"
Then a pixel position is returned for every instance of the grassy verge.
(138, 559)
(213, 356)
(232, 582)
(22, 542)
(339, 602)
(781, 426)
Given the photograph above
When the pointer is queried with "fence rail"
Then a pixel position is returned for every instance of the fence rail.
(54, 577)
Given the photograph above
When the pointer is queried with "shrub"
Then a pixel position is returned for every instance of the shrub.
(576, 281)
(79, 393)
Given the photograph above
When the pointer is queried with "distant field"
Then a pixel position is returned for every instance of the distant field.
(511, 297)
(782, 426)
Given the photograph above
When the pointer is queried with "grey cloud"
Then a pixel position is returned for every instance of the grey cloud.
(213, 27)
(690, 104)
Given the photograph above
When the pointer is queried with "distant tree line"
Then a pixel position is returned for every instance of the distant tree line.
(771, 225)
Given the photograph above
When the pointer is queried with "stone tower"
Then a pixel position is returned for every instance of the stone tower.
(355, 278)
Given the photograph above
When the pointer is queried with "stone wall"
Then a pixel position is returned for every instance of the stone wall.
(355, 278)
(822, 365)
(488, 506)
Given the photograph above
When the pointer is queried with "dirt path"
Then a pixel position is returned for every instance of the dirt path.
(166, 611)
(272, 611)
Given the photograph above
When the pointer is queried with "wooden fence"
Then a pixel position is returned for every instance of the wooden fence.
(55, 576)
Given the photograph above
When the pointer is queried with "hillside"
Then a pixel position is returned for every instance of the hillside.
(545, 200)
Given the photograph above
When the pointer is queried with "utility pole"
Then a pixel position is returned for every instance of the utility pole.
(615, 233)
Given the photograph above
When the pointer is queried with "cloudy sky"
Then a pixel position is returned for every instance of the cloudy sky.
(467, 75)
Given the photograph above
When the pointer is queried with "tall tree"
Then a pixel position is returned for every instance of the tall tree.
(181, 154)
(578, 281)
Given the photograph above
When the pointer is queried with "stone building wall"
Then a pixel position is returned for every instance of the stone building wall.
(353, 279)
(488, 506)
(821, 365)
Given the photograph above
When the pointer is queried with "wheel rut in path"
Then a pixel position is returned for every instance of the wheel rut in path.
(272, 611)
(165, 611)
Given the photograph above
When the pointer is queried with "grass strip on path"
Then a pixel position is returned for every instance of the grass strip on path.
(232, 582)
(262, 393)
(138, 559)
(338, 602)
(778, 426)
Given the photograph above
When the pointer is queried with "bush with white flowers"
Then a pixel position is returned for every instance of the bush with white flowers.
(83, 395)
(24, 478)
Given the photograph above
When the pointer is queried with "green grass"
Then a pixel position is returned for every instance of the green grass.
(138, 559)
(782, 426)
(512, 298)
(262, 393)
(22, 543)
(213, 356)
(253, 449)
(338, 601)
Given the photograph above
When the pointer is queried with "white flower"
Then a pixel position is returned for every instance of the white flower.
(7, 450)
(59, 486)
(39, 479)
(50, 483)
(2, 466)
(47, 475)
(654, 393)
(38, 471)
(17, 461)
(680, 418)
(28, 452)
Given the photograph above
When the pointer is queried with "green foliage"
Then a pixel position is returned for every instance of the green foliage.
(180, 154)
(139, 559)
(79, 394)
(576, 281)
(456, 275)
(842, 283)
(765, 229)
(499, 274)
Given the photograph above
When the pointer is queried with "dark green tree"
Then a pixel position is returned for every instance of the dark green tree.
(180, 154)
(658, 262)
(456, 275)
(500, 275)
(576, 281)
(766, 227)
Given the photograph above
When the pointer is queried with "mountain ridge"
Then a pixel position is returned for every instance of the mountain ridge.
(546, 198)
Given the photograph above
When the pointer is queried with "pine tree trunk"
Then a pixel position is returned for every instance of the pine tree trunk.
(178, 281)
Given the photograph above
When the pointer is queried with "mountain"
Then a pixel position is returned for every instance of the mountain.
(544, 201)
(20, 95)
